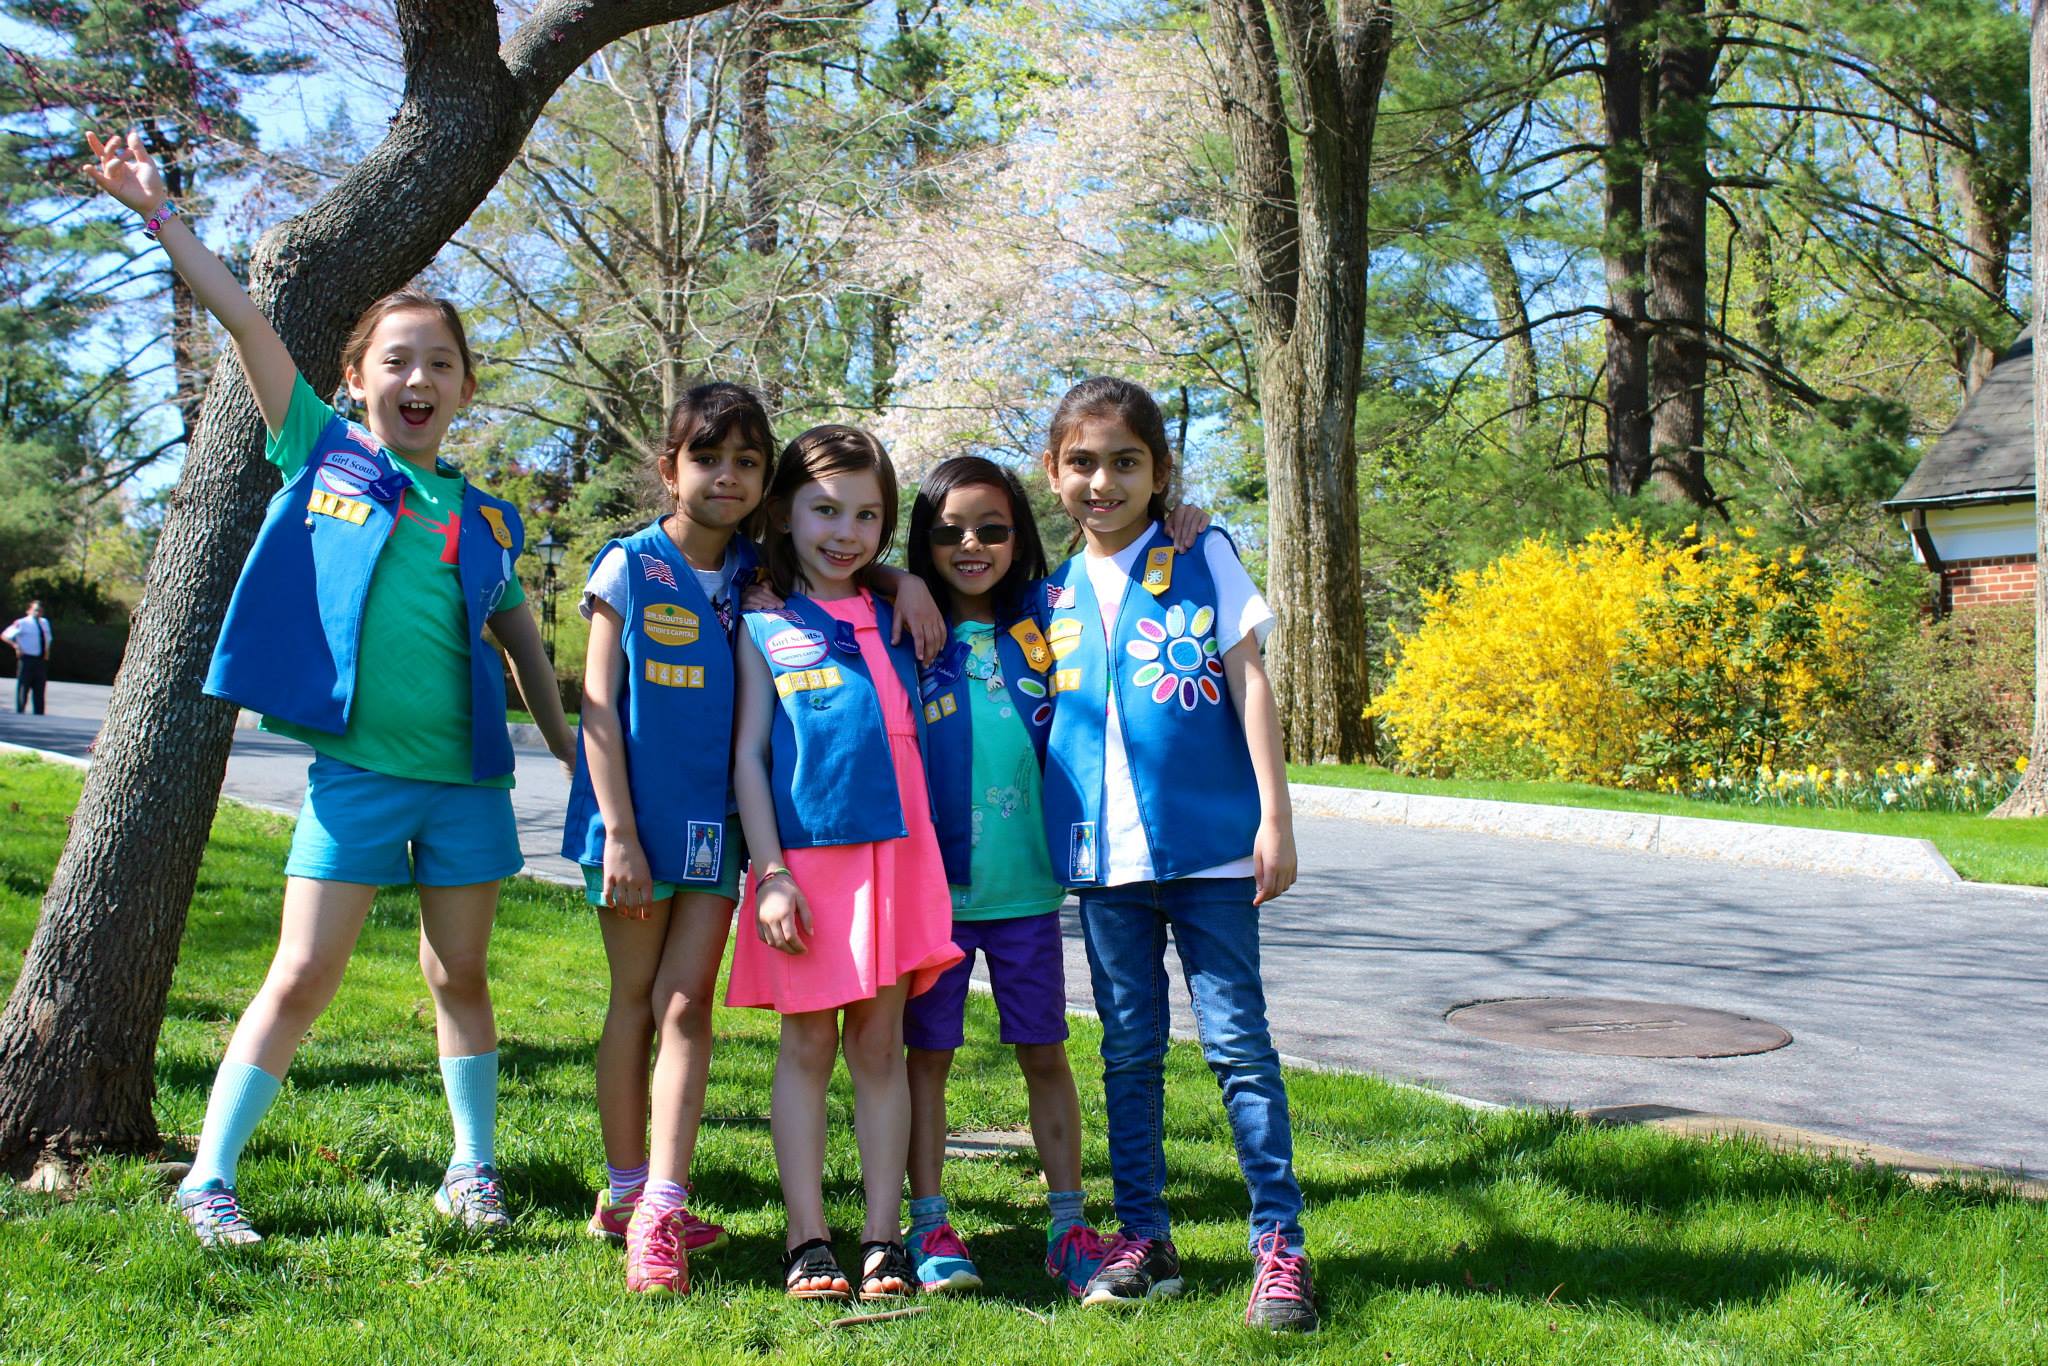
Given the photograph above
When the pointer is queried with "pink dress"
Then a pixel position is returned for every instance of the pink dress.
(880, 912)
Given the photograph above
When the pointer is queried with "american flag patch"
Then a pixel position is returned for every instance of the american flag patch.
(657, 569)
(1059, 595)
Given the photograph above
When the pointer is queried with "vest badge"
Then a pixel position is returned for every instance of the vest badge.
(675, 675)
(1158, 570)
(668, 624)
(500, 533)
(1032, 640)
(936, 711)
(334, 505)
(807, 680)
(706, 840)
(1064, 637)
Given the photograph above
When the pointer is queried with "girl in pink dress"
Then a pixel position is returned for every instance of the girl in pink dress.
(847, 898)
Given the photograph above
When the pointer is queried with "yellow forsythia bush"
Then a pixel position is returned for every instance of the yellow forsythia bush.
(1625, 659)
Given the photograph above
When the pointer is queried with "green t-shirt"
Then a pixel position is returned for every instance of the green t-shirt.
(410, 717)
(1012, 872)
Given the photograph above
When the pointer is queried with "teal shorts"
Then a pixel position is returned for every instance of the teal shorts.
(733, 859)
(362, 826)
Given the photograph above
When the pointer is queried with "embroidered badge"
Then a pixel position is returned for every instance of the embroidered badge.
(1032, 640)
(675, 675)
(1178, 660)
(807, 680)
(668, 624)
(938, 710)
(334, 505)
(795, 648)
(656, 569)
(1065, 680)
(1158, 570)
(1059, 595)
(705, 841)
(1081, 851)
(348, 474)
(843, 638)
(1064, 637)
(500, 533)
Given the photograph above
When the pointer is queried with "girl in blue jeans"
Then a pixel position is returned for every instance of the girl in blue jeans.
(1166, 807)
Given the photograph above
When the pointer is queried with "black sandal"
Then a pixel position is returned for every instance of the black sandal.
(885, 1261)
(810, 1261)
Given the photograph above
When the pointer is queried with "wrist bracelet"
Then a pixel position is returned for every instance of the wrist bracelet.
(154, 223)
(775, 870)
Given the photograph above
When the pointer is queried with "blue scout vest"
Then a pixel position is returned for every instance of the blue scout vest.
(1198, 799)
(675, 708)
(288, 645)
(833, 779)
(949, 729)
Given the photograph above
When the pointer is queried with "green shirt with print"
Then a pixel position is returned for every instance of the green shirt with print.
(410, 716)
(1011, 871)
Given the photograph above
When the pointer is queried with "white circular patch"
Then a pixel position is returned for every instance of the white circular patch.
(348, 467)
(796, 648)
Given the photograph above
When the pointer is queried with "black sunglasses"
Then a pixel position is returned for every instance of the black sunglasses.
(994, 533)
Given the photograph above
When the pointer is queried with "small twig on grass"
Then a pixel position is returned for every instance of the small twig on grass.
(855, 1320)
(1045, 1319)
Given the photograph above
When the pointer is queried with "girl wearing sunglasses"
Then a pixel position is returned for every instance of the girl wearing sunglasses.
(987, 706)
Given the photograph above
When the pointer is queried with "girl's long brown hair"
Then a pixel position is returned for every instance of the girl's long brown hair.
(831, 449)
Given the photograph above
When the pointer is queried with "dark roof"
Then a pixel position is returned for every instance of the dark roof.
(1987, 456)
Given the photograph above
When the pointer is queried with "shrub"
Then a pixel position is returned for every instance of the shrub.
(1959, 691)
(1630, 658)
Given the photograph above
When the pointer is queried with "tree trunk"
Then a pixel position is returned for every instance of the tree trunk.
(78, 1037)
(2030, 798)
(1302, 258)
(1622, 90)
(1504, 283)
(1986, 240)
(757, 139)
(1686, 51)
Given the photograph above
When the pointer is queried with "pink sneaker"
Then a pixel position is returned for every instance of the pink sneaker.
(655, 1260)
(1073, 1259)
(699, 1236)
(610, 1220)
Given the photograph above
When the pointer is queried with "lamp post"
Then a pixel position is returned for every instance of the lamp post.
(550, 551)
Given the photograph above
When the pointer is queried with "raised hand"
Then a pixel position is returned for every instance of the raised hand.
(127, 172)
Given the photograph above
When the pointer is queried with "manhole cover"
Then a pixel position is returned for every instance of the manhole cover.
(1627, 1029)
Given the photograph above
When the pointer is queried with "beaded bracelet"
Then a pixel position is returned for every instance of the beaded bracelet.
(154, 224)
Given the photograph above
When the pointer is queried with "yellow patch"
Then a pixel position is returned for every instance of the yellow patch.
(334, 505)
(500, 533)
(1036, 652)
(939, 709)
(1159, 570)
(675, 675)
(806, 680)
(668, 624)
(1065, 680)
(1065, 636)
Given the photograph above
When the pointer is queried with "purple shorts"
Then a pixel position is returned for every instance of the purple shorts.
(1027, 969)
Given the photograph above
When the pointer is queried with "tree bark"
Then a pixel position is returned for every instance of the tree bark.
(78, 1037)
(1686, 52)
(1623, 82)
(2030, 798)
(757, 139)
(1987, 238)
(1302, 259)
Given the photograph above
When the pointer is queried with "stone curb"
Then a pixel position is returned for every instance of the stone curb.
(1839, 852)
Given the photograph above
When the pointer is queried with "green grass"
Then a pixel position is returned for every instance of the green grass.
(1980, 849)
(1441, 1234)
(516, 717)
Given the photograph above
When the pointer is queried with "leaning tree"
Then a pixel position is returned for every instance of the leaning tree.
(79, 1034)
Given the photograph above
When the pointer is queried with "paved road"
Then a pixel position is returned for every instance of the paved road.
(1918, 1014)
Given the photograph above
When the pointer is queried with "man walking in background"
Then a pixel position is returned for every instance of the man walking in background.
(30, 637)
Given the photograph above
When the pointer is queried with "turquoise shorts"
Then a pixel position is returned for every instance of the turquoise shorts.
(361, 826)
(733, 857)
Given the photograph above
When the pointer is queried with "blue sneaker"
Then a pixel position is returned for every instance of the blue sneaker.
(471, 1195)
(1072, 1258)
(942, 1262)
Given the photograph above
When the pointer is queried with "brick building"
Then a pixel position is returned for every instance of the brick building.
(1969, 505)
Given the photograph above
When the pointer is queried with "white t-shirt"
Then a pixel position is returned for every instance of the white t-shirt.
(26, 637)
(608, 583)
(1240, 611)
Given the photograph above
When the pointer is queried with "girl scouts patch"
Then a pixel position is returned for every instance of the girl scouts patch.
(1064, 637)
(500, 533)
(706, 838)
(1178, 660)
(1159, 570)
(668, 624)
(1081, 851)
(1032, 641)
(796, 648)
(347, 473)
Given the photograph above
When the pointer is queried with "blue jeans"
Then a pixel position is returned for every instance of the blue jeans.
(1216, 932)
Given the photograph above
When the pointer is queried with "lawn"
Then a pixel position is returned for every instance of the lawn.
(1979, 848)
(1441, 1234)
